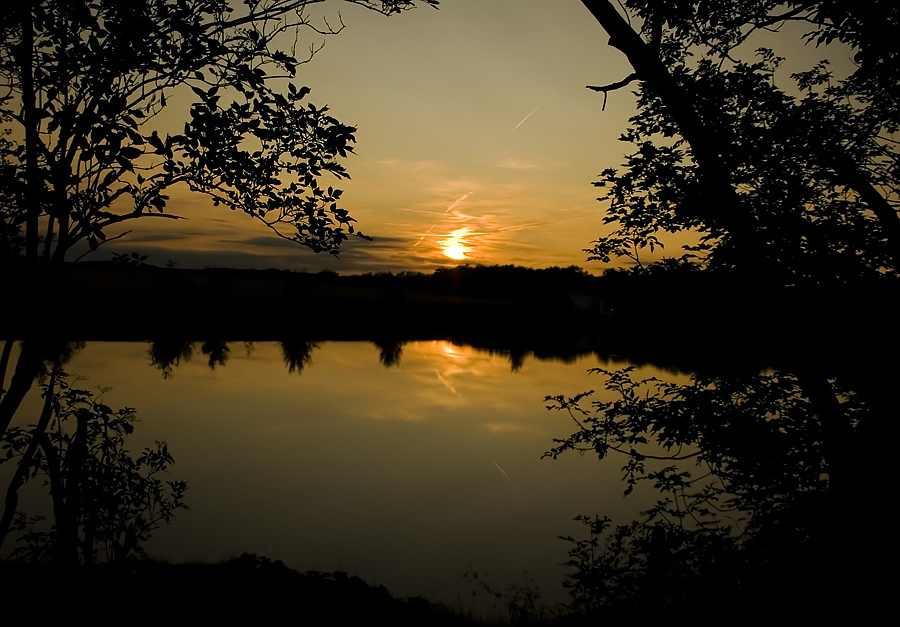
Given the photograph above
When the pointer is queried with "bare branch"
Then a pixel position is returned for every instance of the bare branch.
(613, 86)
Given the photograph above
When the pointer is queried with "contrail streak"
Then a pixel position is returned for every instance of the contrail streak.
(511, 482)
(452, 206)
(528, 116)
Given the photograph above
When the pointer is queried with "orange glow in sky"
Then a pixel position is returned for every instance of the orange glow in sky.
(454, 246)
(474, 116)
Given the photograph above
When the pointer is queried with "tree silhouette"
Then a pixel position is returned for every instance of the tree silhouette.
(792, 184)
(798, 181)
(84, 87)
(106, 502)
(84, 150)
(753, 494)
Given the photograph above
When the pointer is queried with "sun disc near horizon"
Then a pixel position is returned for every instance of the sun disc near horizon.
(455, 251)
(454, 245)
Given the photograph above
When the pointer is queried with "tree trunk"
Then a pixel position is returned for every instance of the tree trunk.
(733, 216)
(714, 172)
(25, 464)
(48, 239)
(31, 121)
(27, 368)
(62, 511)
(4, 362)
(855, 178)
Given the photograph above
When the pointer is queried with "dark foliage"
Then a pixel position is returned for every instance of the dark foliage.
(749, 482)
(249, 589)
(106, 502)
(793, 178)
(86, 150)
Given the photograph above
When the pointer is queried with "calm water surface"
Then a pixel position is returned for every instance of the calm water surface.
(407, 476)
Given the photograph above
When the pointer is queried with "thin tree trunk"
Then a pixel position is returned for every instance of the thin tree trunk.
(60, 204)
(4, 362)
(25, 464)
(855, 178)
(837, 430)
(852, 486)
(715, 174)
(62, 513)
(72, 471)
(29, 114)
(27, 368)
(62, 240)
(48, 239)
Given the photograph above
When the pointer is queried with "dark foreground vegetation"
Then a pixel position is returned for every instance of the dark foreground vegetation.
(237, 304)
(150, 301)
(246, 590)
(256, 590)
(678, 317)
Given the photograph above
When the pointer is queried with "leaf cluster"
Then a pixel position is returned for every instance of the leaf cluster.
(114, 499)
(759, 437)
(626, 569)
(805, 157)
(84, 84)
(733, 460)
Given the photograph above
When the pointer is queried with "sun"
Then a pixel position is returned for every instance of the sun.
(454, 245)
(455, 251)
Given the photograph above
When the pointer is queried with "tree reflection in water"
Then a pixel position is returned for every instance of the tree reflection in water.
(350, 436)
(751, 488)
(756, 477)
(105, 502)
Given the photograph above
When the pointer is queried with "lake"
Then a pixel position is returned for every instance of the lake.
(408, 475)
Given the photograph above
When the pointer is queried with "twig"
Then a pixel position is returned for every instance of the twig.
(612, 86)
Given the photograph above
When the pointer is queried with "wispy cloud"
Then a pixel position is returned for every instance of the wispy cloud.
(456, 203)
(155, 237)
(515, 164)
(511, 163)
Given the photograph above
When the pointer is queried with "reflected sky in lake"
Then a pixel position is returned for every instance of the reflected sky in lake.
(407, 476)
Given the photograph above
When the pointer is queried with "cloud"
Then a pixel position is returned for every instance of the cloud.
(511, 163)
(408, 166)
(156, 237)
(263, 241)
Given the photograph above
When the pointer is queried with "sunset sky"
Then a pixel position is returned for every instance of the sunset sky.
(476, 137)
(477, 142)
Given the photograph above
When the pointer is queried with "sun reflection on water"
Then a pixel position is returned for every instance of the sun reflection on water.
(441, 452)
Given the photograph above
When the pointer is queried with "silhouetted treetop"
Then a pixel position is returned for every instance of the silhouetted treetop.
(793, 178)
(87, 149)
